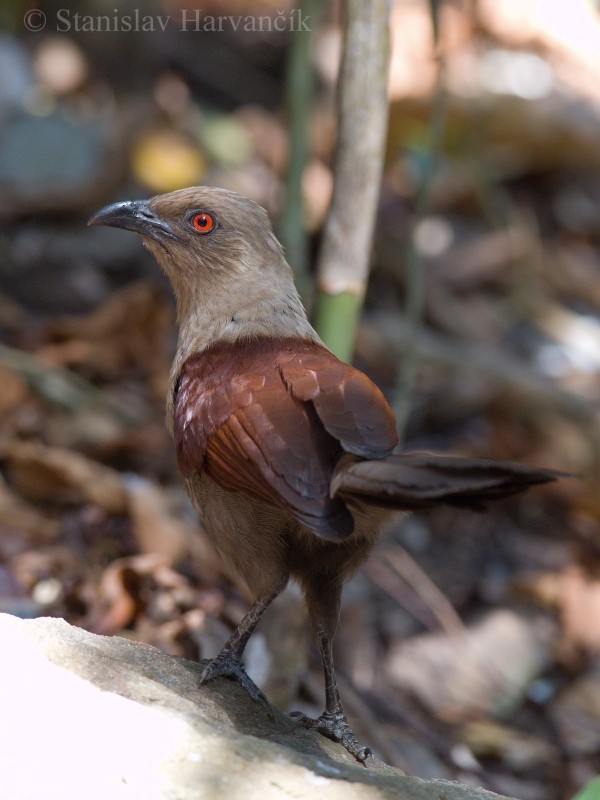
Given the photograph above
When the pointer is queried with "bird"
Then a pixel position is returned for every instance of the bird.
(290, 456)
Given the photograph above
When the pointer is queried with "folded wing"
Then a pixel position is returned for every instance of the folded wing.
(272, 418)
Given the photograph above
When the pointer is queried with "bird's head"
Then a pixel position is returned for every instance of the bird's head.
(210, 242)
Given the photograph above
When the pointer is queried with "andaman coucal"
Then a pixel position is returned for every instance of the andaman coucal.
(287, 452)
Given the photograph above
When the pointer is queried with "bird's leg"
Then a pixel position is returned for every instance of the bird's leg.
(332, 722)
(228, 663)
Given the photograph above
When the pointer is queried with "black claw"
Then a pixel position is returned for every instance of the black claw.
(335, 727)
(226, 665)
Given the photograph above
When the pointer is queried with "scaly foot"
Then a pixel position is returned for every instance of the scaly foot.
(227, 665)
(335, 726)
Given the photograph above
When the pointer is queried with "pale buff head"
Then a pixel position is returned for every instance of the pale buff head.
(202, 235)
(227, 269)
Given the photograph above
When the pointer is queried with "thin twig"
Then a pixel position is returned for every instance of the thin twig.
(415, 272)
(436, 601)
(386, 579)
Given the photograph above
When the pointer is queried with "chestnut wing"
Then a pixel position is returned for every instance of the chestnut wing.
(236, 420)
(350, 407)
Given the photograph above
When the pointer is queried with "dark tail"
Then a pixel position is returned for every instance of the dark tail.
(412, 481)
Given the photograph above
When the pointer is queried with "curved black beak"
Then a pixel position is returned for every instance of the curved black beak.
(133, 215)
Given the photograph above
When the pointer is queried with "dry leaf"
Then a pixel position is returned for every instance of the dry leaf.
(517, 750)
(483, 670)
(576, 714)
(14, 389)
(144, 590)
(51, 474)
(158, 530)
(18, 516)
(576, 596)
(131, 330)
(579, 604)
(119, 596)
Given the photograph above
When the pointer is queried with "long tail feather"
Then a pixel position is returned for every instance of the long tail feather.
(416, 480)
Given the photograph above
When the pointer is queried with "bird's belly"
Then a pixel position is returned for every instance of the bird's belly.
(263, 542)
(248, 534)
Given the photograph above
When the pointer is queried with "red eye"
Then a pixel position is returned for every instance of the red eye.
(204, 222)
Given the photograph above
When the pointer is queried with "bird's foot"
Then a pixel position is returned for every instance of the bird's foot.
(227, 665)
(335, 726)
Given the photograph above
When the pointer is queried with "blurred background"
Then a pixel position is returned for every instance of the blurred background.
(470, 644)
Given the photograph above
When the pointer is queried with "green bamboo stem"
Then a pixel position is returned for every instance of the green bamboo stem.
(299, 86)
(336, 320)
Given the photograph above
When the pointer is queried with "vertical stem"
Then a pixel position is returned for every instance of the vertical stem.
(336, 320)
(299, 84)
(343, 263)
(415, 272)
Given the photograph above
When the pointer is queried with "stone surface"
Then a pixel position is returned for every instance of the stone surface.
(103, 717)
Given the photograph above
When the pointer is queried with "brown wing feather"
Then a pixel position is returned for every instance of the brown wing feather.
(352, 409)
(272, 418)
